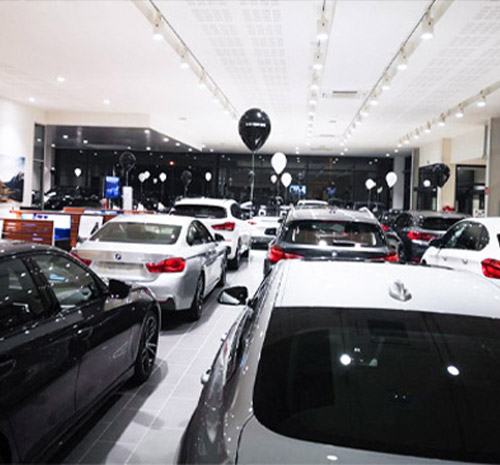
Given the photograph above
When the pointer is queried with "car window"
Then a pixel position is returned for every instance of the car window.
(334, 233)
(402, 221)
(20, 300)
(474, 237)
(401, 382)
(203, 233)
(437, 223)
(138, 233)
(452, 237)
(72, 285)
(236, 211)
(199, 211)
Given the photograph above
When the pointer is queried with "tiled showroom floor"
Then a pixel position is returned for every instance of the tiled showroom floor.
(144, 425)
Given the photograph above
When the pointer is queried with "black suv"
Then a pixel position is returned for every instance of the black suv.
(329, 233)
(67, 341)
(417, 229)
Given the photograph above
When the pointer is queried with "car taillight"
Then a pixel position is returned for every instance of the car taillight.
(392, 257)
(491, 268)
(169, 265)
(420, 236)
(83, 260)
(227, 226)
(277, 253)
(385, 228)
(253, 223)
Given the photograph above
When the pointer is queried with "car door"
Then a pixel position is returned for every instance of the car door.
(38, 359)
(449, 252)
(104, 332)
(212, 255)
(196, 259)
(473, 239)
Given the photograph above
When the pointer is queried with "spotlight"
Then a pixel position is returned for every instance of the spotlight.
(322, 33)
(482, 101)
(427, 28)
(403, 62)
(460, 112)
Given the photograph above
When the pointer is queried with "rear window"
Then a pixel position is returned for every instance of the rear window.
(199, 211)
(138, 233)
(401, 382)
(334, 233)
(437, 223)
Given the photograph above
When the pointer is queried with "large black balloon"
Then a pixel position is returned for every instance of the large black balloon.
(127, 161)
(254, 128)
(441, 174)
(186, 177)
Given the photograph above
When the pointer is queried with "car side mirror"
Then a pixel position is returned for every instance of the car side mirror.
(236, 295)
(270, 232)
(280, 220)
(118, 289)
(435, 243)
(219, 237)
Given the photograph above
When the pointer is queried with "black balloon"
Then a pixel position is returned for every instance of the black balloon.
(254, 128)
(186, 177)
(127, 161)
(441, 174)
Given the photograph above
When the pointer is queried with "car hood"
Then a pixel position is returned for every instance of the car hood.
(260, 445)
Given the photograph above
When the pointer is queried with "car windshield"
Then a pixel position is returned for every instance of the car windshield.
(402, 382)
(437, 223)
(138, 233)
(199, 211)
(334, 233)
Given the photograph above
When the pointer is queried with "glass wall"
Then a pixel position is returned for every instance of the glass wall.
(321, 177)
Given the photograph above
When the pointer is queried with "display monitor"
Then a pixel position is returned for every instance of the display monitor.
(297, 189)
(112, 187)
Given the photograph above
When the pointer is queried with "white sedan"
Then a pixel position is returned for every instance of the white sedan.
(472, 244)
(177, 258)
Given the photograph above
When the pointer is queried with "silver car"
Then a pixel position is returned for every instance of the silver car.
(357, 363)
(176, 257)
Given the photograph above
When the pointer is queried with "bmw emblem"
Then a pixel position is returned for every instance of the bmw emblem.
(334, 254)
(118, 257)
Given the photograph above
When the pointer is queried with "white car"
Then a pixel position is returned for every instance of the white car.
(224, 216)
(177, 258)
(264, 228)
(354, 363)
(472, 244)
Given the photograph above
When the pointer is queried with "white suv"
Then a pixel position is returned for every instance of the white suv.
(224, 217)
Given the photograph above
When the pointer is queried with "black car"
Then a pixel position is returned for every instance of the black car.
(329, 233)
(67, 340)
(61, 197)
(417, 229)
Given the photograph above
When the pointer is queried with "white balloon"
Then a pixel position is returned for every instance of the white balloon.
(208, 176)
(147, 174)
(391, 179)
(286, 179)
(427, 183)
(274, 178)
(163, 177)
(142, 177)
(278, 162)
(78, 172)
(155, 180)
(380, 189)
(370, 184)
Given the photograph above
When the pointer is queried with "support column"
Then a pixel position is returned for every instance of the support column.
(398, 191)
(415, 164)
(492, 199)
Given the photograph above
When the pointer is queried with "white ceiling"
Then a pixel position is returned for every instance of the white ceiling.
(260, 54)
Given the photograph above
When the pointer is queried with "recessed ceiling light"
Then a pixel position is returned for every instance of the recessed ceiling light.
(190, 149)
(177, 144)
(313, 101)
(32, 99)
(52, 145)
(146, 131)
(39, 139)
(61, 79)
(129, 147)
(65, 136)
(106, 101)
(148, 148)
(396, 150)
(166, 139)
(213, 150)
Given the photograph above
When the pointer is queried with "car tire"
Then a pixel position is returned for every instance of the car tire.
(246, 254)
(194, 313)
(222, 280)
(148, 345)
(234, 263)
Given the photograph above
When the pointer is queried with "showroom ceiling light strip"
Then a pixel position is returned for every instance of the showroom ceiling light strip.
(458, 112)
(163, 30)
(422, 31)
(323, 33)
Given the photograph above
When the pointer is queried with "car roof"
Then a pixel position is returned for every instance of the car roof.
(8, 248)
(367, 285)
(206, 201)
(158, 218)
(431, 213)
(330, 214)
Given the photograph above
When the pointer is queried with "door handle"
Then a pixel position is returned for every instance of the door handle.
(85, 333)
(7, 366)
(465, 261)
(445, 258)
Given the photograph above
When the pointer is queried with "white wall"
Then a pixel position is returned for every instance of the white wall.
(431, 153)
(468, 146)
(17, 129)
